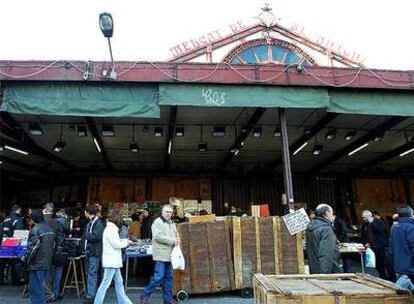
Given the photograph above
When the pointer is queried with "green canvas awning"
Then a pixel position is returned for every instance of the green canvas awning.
(242, 96)
(82, 99)
(372, 103)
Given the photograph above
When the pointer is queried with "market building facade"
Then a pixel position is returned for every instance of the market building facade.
(261, 116)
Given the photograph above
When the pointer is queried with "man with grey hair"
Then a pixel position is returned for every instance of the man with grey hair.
(375, 234)
(321, 242)
(164, 238)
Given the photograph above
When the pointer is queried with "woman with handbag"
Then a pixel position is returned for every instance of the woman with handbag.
(38, 256)
(112, 260)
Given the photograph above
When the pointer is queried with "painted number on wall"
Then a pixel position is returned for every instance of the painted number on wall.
(213, 97)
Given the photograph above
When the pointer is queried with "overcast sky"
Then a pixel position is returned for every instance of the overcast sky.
(381, 31)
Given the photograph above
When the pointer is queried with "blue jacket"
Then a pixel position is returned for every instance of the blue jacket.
(402, 246)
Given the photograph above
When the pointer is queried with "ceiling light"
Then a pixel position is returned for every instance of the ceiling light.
(35, 129)
(202, 147)
(219, 131)
(307, 131)
(300, 148)
(317, 149)
(97, 145)
(357, 149)
(108, 131)
(277, 133)
(244, 129)
(407, 152)
(379, 136)
(330, 134)
(1, 147)
(257, 132)
(133, 147)
(16, 150)
(1, 162)
(59, 146)
(82, 132)
(350, 135)
(169, 147)
(158, 131)
(236, 152)
(179, 131)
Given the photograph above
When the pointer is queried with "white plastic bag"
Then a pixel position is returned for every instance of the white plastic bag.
(369, 258)
(177, 258)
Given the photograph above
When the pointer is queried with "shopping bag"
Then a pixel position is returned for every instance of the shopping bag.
(177, 258)
(369, 258)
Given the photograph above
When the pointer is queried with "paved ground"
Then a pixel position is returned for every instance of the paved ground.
(12, 295)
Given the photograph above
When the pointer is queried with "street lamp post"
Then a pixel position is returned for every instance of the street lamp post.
(106, 23)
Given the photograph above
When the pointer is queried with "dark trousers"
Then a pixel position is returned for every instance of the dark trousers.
(37, 282)
(384, 265)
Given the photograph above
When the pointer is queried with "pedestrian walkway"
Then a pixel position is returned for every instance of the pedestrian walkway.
(12, 294)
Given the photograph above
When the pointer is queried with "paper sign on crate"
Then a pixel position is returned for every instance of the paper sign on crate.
(296, 221)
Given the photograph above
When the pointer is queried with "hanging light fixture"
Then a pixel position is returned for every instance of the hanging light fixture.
(133, 146)
(158, 131)
(257, 132)
(58, 147)
(179, 131)
(35, 129)
(350, 135)
(331, 134)
(317, 149)
(277, 133)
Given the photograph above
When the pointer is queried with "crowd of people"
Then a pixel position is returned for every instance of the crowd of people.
(393, 246)
(103, 242)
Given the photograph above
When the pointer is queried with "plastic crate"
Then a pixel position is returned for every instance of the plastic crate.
(10, 251)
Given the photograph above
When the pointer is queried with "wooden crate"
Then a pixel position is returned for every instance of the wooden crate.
(327, 289)
(263, 245)
(202, 218)
(207, 252)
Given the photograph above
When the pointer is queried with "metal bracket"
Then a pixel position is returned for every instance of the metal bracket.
(86, 70)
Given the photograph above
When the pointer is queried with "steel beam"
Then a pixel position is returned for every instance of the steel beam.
(287, 172)
(388, 155)
(25, 142)
(322, 123)
(95, 134)
(360, 141)
(220, 73)
(258, 113)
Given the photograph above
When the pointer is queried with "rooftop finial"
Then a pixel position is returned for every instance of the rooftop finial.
(266, 17)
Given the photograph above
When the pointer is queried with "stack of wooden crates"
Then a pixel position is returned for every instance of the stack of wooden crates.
(224, 255)
(327, 289)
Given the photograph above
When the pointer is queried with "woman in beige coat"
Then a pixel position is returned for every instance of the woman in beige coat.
(112, 260)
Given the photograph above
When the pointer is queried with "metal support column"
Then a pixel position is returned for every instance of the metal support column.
(287, 174)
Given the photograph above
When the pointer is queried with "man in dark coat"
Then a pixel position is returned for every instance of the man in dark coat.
(93, 248)
(402, 242)
(376, 234)
(321, 242)
(341, 232)
(146, 224)
(13, 222)
(39, 256)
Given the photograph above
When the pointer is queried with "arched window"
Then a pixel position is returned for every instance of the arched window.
(261, 51)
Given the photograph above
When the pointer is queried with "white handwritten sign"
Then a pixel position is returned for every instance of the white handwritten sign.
(296, 221)
(214, 98)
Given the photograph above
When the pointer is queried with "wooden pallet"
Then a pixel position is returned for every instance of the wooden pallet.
(207, 252)
(327, 289)
(263, 245)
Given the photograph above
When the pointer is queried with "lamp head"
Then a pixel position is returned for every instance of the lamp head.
(106, 23)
